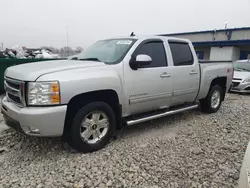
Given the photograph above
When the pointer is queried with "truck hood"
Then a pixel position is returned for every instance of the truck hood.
(31, 71)
(241, 75)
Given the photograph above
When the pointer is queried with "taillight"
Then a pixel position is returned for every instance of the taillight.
(231, 70)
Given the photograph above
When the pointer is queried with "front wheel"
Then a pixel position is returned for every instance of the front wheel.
(212, 102)
(92, 128)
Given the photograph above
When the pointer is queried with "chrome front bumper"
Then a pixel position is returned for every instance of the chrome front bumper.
(35, 121)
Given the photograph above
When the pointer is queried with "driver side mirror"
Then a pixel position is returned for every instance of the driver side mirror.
(140, 60)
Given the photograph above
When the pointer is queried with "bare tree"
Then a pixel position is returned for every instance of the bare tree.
(64, 51)
(79, 49)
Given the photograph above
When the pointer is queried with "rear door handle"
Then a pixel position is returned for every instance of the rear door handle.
(165, 74)
(193, 72)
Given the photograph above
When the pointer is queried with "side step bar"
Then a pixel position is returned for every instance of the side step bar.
(156, 116)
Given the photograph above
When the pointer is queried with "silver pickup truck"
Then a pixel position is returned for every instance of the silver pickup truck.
(114, 83)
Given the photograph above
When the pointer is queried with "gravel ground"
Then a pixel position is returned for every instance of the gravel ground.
(185, 150)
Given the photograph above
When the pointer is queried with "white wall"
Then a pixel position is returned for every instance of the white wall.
(240, 35)
(197, 37)
(224, 53)
(236, 54)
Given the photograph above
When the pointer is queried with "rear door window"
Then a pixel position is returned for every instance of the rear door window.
(181, 53)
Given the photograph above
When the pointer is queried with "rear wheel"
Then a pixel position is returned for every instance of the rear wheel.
(92, 128)
(212, 102)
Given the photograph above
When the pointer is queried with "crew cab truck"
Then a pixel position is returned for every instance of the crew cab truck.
(115, 82)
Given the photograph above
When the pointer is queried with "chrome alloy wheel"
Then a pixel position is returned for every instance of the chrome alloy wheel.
(215, 99)
(94, 127)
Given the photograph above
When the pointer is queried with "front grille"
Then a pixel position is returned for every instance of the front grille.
(14, 91)
(235, 84)
(14, 98)
(14, 85)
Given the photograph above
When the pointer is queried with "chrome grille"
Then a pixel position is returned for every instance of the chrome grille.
(15, 91)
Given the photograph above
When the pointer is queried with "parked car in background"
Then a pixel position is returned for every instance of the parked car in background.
(241, 78)
(244, 181)
(115, 82)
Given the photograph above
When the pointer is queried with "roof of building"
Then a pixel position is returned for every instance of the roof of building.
(222, 43)
(207, 31)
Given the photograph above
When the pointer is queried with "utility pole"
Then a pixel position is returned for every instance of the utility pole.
(67, 41)
(226, 23)
(227, 34)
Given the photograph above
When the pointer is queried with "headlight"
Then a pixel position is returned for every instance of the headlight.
(246, 80)
(43, 93)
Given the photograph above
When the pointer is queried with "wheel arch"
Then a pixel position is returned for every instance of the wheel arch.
(77, 102)
(221, 81)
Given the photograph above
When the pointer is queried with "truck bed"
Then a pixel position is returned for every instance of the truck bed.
(210, 70)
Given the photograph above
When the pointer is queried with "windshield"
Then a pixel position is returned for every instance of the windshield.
(242, 66)
(108, 51)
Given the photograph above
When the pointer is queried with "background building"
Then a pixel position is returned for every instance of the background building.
(224, 44)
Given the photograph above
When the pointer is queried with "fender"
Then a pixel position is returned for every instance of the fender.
(79, 81)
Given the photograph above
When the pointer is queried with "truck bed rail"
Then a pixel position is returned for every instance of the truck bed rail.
(211, 61)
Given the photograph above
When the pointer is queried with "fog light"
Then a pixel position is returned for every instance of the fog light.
(34, 130)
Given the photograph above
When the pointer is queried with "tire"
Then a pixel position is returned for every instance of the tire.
(207, 104)
(91, 125)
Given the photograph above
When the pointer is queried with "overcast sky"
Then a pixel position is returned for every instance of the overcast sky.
(35, 23)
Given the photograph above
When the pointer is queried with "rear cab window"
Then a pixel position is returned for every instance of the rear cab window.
(181, 53)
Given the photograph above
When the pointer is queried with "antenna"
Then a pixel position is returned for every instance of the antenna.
(214, 34)
(132, 34)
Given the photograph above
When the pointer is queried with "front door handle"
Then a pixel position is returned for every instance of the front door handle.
(165, 74)
(193, 72)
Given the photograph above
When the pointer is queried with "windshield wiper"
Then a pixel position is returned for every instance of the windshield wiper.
(90, 59)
